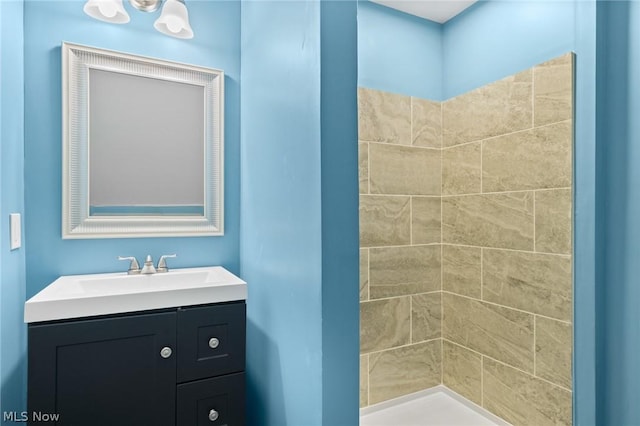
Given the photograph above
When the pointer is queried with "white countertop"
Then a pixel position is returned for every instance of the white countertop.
(76, 296)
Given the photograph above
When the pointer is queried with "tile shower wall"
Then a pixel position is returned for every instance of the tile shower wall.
(400, 239)
(465, 217)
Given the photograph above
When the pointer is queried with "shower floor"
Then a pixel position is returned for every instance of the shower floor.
(438, 406)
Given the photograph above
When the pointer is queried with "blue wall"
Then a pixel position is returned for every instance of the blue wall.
(47, 24)
(299, 203)
(340, 235)
(619, 215)
(281, 240)
(494, 39)
(398, 52)
(12, 263)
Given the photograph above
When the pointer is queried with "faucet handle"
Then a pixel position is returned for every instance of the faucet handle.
(134, 267)
(162, 264)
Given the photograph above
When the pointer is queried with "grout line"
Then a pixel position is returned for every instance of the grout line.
(411, 119)
(368, 387)
(508, 307)
(429, 148)
(441, 361)
(526, 129)
(534, 221)
(412, 195)
(505, 249)
(509, 365)
(401, 346)
(519, 191)
(533, 97)
(441, 124)
(445, 148)
(410, 221)
(411, 319)
(368, 274)
(368, 168)
(405, 246)
(441, 340)
(482, 273)
(407, 295)
(481, 167)
(481, 380)
(535, 339)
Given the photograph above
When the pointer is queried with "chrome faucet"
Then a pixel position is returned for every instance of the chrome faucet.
(162, 263)
(134, 267)
(148, 268)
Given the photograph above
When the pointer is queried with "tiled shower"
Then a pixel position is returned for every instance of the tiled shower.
(465, 236)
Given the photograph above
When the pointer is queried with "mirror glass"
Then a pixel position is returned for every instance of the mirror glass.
(142, 147)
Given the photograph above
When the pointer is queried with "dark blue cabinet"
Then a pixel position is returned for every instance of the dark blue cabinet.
(181, 366)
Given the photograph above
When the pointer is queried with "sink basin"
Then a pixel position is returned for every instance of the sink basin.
(75, 296)
(137, 283)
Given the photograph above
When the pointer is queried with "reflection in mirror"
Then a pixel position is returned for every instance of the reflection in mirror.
(143, 146)
(153, 141)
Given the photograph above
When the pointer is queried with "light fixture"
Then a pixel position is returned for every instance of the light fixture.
(107, 10)
(173, 21)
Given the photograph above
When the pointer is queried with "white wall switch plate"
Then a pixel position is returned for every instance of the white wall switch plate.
(16, 231)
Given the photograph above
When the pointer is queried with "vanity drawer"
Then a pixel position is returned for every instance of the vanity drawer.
(217, 401)
(211, 341)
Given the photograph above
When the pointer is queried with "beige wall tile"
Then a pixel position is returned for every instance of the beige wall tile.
(490, 220)
(364, 274)
(462, 270)
(384, 324)
(553, 90)
(553, 351)
(384, 117)
(426, 316)
(404, 170)
(462, 371)
(384, 221)
(534, 282)
(532, 159)
(553, 221)
(495, 109)
(405, 370)
(363, 167)
(426, 119)
(364, 380)
(396, 271)
(461, 170)
(426, 225)
(522, 399)
(501, 333)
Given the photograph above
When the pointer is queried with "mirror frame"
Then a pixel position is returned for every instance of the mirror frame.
(77, 61)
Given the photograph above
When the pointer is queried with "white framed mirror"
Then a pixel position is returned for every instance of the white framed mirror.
(143, 146)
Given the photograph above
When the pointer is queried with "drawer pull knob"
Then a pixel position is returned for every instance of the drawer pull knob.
(214, 343)
(166, 352)
(213, 415)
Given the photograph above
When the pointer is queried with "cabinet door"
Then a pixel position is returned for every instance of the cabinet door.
(217, 402)
(105, 371)
(211, 341)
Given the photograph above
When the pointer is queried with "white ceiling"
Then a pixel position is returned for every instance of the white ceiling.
(434, 10)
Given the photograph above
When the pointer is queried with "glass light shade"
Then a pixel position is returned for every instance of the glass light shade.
(107, 10)
(174, 20)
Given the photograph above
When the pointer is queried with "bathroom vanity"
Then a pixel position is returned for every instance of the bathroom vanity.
(161, 365)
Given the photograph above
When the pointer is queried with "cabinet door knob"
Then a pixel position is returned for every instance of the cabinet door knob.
(213, 415)
(214, 343)
(166, 352)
